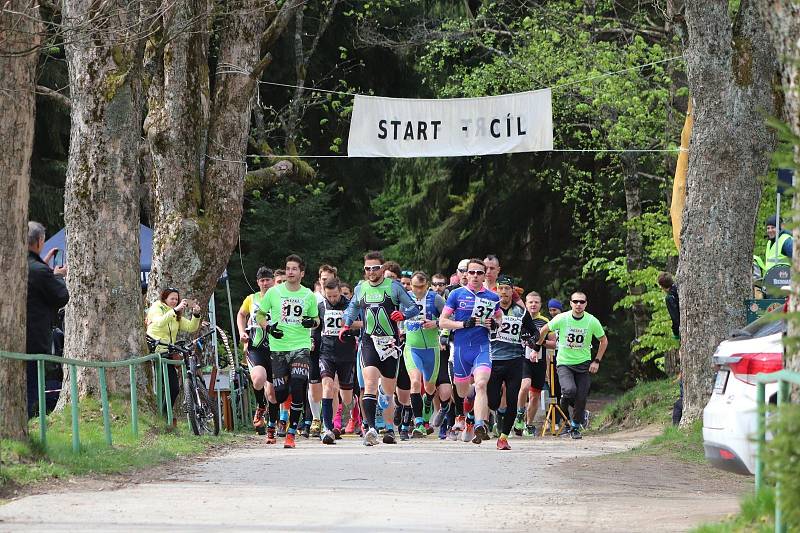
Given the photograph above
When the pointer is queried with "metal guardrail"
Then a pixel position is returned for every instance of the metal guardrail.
(162, 389)
(783, 378)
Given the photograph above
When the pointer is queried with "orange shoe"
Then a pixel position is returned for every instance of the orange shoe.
(288, 442)
(502, 444)
(258, 420)
(270, 435)
(351, 427)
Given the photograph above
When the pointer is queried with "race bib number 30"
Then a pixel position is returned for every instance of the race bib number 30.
(334, 320)
(509, 329)
(575, 337)
(292, 310)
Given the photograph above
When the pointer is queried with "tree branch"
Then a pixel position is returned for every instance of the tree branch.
(62, 101)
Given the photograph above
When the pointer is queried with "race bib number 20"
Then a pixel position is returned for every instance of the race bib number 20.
(334, 320)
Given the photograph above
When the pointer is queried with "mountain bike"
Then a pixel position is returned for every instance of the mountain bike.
(201, 412)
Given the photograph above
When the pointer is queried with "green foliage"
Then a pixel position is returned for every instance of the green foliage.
(782, 461)
(649, 402)
(755, 516)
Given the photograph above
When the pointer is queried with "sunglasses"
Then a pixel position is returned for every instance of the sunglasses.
(372, 268)
(462, 270)
(406, 273)
(438, 284)
(476, 272)
(578, 301)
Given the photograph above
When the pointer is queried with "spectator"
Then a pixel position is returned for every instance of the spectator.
(47, 293)
(554, 307)
(779, 244)
(667, 285)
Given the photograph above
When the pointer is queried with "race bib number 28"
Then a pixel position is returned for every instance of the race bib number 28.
(509, 329)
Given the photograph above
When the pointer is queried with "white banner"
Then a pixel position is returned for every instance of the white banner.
(404, 127)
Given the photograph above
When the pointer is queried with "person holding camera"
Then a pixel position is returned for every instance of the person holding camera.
(165, 319)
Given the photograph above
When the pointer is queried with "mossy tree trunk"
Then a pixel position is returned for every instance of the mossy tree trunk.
(198, 140)
(783, 28)
(730, 65)
(104, 316)
(19, 42)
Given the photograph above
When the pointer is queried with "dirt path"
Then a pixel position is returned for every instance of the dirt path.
(421, 485)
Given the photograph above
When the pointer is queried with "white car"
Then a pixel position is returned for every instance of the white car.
(729, 419)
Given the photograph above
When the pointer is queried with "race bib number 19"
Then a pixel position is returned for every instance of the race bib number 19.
(292, 310)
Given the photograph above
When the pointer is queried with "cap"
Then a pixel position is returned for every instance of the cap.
(503, 279)
(771, 221)
(463, 264)
(552, 302)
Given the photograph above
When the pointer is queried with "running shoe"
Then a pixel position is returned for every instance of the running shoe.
(428, 428)
(468, 434)
(452, 434)
(289, 441)
(270, 435)
(575, 433)
(258, 421)
(496, 430)
(282, 428)
(565, 431)
(480, 434)
(388, 437)
(350, 428)
(438, 420)
(460, 424)
(419, 432)
(337, 433)
(329, 437)
(306, 431)
(442, 432)
(519, 424)
(587, 415)
(427, 409)
(316, 428)
(502, 444)
(530, 431)
(403, 433)
(371, 437)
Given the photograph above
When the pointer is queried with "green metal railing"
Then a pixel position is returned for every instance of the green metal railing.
(161, 382)
(783, 378)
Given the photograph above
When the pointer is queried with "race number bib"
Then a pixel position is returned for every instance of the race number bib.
(385, 347)
(334, 321)
(509, 329)
(575, 337)
(292, 310)
(484, 308)
(415, 324)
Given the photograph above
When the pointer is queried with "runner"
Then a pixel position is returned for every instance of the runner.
(382, 303)
(280, 276)
(293, 311)
(314, 429)
(421, 354)
(474, 310)
(576, 329)
(346, 289)
(534, 371)
(336, 358)
(438, 283)
(492, 272)
(405, 279)
(256, 349)
(507, 358)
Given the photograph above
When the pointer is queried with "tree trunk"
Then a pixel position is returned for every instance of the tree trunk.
(730, 68)
(104, 315)
(783, 29)
(19, 41)
(199, 199)
(634, 259)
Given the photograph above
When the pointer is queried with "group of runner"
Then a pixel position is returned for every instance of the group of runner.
(403, 353)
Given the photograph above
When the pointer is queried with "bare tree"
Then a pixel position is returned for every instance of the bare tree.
(105, 47)
(730, 65)
(19, 39)
(198, 140)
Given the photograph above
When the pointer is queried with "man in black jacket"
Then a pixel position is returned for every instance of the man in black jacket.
(667, 284)
(47, 293)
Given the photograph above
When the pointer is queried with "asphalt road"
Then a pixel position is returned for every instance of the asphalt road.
(552, 484)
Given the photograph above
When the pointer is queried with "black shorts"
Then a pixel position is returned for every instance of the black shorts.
(369, 357)
(313, 368)
(329, 367)
(535, 372)
(403, 379)
(282, 363)
(444, 370)
(260, 357)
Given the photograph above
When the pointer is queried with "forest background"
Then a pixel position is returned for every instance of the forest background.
(592, 218)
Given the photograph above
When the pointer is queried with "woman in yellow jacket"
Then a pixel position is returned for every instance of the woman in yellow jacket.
(164, 320)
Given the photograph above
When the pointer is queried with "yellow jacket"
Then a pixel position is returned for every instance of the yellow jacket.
(162, 324)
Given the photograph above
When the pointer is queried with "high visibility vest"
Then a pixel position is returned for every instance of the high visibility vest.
(774, 255)
(759, 268)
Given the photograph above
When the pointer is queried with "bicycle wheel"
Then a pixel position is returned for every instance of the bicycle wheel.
(206, 411)
(191, 404)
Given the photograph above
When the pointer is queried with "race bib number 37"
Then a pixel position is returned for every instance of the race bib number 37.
(484, 308)
(292, 310)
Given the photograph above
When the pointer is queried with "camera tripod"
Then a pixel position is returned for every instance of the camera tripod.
(553, 409)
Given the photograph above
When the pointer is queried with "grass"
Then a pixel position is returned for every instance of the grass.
(649, 402)
(27, 462)
(755, 515)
